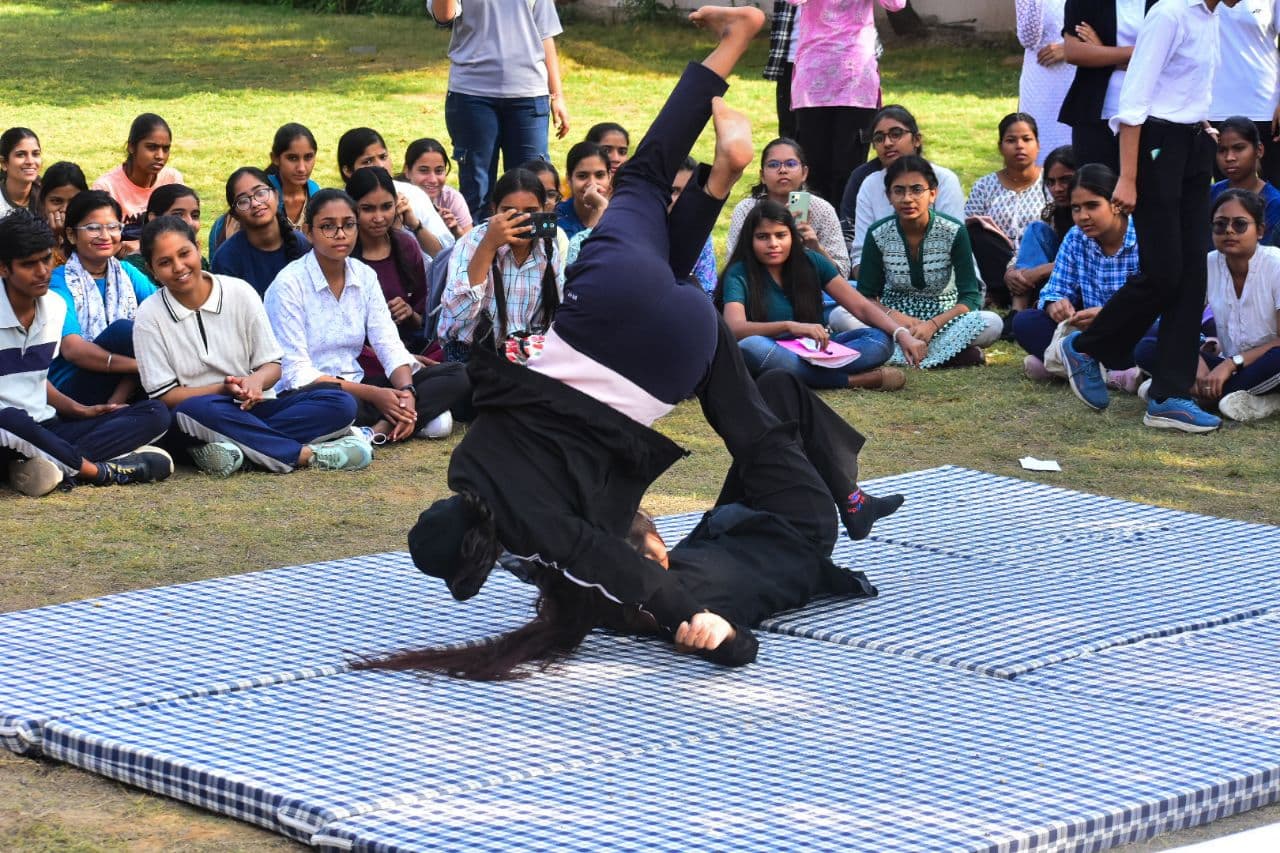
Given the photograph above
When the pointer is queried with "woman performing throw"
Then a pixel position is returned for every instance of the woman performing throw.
(560, 454)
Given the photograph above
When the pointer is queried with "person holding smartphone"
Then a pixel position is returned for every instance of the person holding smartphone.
(500, 269)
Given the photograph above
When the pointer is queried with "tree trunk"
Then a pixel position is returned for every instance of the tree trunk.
(906, 23)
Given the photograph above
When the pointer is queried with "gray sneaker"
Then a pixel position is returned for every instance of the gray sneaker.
(34, 477)
(1243, 406)
(342, 454)
(218, 458)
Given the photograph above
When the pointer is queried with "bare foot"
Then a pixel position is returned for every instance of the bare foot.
(734, 151)
(729, 23)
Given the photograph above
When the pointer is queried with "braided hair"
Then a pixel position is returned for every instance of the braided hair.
(288, 239)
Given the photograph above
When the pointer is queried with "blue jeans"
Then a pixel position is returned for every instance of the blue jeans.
(874, 348)
(480, 126)
(92, 389)
(1039, 246)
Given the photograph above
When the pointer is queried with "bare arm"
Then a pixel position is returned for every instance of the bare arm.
(1085, 54)
(735, 317)
(89, 356)
(444, 11)
(559, 112)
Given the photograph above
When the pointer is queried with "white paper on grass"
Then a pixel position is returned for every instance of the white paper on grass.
(1033, 464)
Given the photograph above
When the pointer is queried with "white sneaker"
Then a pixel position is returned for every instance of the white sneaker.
(441, 426)
(218, 458)
(34, 477)
(1243, 406)
(1144, 391)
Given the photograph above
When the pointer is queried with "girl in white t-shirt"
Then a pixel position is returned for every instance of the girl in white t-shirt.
(1243, 376)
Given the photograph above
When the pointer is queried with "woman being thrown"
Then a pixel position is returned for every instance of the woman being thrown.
(555, 464)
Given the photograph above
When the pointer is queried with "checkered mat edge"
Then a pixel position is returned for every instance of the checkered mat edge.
(612, 747)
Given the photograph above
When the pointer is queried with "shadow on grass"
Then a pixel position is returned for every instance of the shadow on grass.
(93, 52)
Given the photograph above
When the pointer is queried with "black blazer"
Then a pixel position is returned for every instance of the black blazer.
(1083, 103)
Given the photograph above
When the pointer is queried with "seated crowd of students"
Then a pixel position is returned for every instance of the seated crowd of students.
(318, 323)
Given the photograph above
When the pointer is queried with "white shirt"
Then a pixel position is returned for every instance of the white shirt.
(322, 335)
(1250, 320)
(229, 335)
(1129, 15)
(1171, 72)
(27, 354)
(874, 205)
(1249, 76)
(426, 212)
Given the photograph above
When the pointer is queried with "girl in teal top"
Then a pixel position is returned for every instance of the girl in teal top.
(772, 290)
(918, 266)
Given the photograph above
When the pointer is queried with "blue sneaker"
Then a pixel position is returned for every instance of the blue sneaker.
(1180, 413)
(1084, 375)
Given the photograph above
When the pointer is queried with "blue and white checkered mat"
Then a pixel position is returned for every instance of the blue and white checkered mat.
(232, 694)
(1004, 576)
(229, 633)
(629, 747)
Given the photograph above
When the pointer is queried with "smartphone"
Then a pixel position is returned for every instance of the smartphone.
(544, 225)
(798, 204)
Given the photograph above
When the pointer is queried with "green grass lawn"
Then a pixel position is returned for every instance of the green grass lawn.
(225, 76)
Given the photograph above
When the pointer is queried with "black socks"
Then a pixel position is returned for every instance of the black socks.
(863, 510)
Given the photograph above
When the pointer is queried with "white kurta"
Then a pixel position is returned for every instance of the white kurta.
(1041, 90)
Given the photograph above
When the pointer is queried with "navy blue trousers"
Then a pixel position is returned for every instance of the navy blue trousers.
(69, 443)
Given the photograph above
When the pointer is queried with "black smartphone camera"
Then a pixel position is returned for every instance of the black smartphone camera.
(543, 225)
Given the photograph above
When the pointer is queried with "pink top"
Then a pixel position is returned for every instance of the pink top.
(456, 204)
(131, 197)
(836, 54)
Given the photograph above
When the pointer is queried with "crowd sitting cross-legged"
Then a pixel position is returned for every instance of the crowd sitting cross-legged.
(312, 325)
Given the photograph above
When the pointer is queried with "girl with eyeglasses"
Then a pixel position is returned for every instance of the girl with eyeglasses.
(20, 159)
(96, 363)
(206, 351)
(293, 159)
(1097, 256)
(426, 166)
(1002, 204)
(326, 305)
(265, 241)
(783, 170)
(772, 290)
(62, 182)
(589, 186)
(502, 252)
(363, 146)
(895, 134)
(1240, 151)
(1241, 375)
(145, 167)
(918, 267)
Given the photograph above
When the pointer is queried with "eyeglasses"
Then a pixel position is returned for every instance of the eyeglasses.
(893, 134)
(775, 165)
(331, 229)
(915, 191)
(260, 194)
(1238, 225)
(97, 229)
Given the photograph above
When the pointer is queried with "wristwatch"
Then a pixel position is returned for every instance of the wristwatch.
(412, 389)
(1238, 361)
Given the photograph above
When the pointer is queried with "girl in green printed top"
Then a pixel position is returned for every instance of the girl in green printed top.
(918, 265)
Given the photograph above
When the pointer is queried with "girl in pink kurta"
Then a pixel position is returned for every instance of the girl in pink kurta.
(835, 89)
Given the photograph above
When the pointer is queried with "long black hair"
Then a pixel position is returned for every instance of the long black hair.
(142, 127)
(522, 180)
(426, 145)
(284, 137)
(164, 197)
(353, 143)
(288, 239)
(799, 278)
(363, 182)
(59, 175)
(564, 614)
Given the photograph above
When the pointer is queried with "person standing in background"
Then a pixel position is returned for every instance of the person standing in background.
(1045, 74)
(504, 85)
(835, 90)
(780, 65)
(1248, 82)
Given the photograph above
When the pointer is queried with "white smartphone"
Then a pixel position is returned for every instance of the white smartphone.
(798, 204)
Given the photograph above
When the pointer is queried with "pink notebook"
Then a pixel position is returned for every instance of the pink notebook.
(835, 355)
